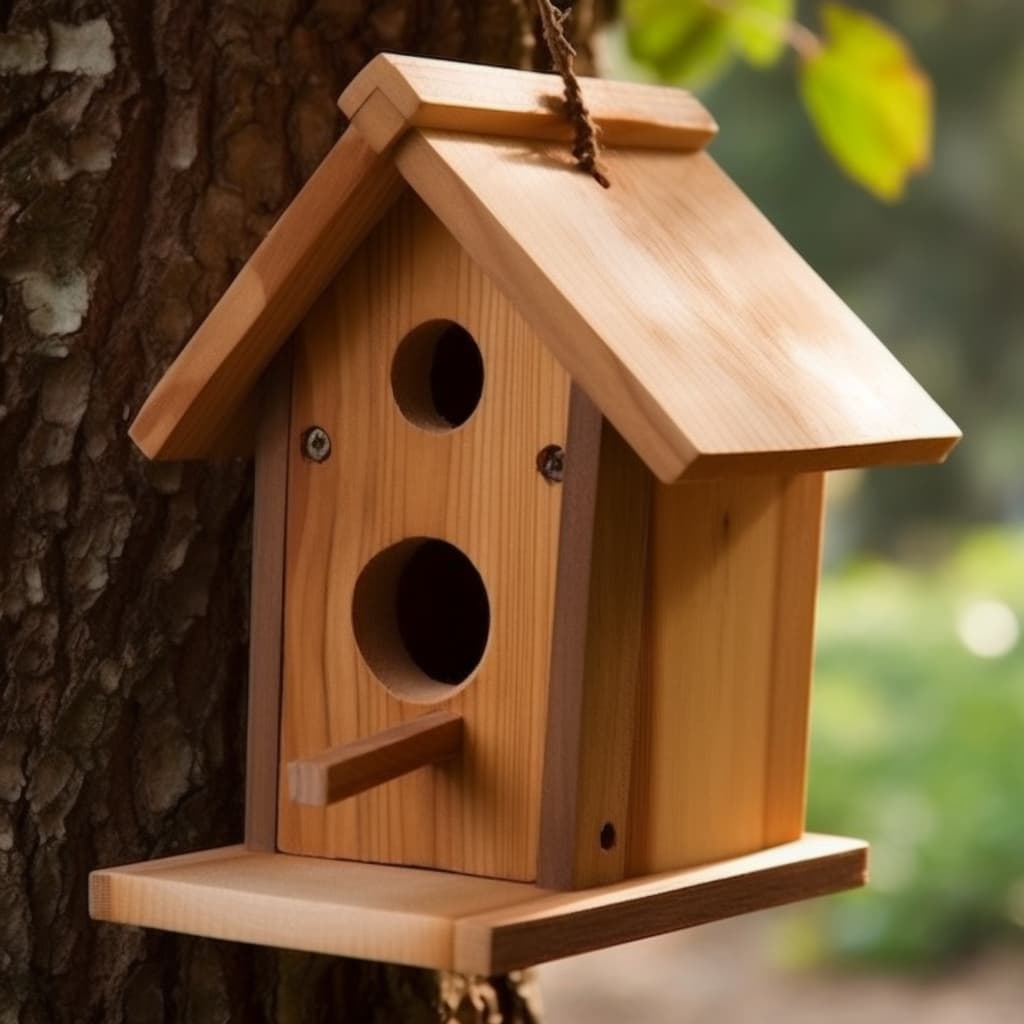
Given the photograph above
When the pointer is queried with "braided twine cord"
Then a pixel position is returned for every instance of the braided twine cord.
(586, 148)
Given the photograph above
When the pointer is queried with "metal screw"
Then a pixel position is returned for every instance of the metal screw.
(551, 463)
(316, 444)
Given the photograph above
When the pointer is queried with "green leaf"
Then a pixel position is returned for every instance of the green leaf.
(683, 41)
(759, 28)
(869, 101)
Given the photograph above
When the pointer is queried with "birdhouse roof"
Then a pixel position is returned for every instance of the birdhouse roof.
(699, 332)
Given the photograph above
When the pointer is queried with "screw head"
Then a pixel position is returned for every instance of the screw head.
(551, 463)
(316, 444)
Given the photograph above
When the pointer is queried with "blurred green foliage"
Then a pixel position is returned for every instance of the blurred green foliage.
(918, 745)
(692, 42)
(869, 101)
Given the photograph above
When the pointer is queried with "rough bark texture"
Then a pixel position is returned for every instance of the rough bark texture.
(145, 148)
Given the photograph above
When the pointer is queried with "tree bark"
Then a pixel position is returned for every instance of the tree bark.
(145, 149)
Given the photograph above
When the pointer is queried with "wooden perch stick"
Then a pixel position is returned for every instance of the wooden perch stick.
(354, 767)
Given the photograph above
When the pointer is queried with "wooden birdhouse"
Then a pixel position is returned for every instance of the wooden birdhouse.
(539, 473)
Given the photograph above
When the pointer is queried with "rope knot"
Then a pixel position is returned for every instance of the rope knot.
(586, 147)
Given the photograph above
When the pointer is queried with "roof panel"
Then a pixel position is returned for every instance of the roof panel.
(701, 334)
(698, 331)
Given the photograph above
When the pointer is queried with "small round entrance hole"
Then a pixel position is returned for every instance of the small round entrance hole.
(437, 375)
(421, 618)
(607, 836)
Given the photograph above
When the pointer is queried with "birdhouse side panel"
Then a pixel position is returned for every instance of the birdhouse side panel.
(421, 552)
(719, 765)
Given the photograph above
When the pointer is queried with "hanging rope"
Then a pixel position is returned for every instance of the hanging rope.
(586, 148)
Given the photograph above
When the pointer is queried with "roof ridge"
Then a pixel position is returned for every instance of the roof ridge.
(395, 92)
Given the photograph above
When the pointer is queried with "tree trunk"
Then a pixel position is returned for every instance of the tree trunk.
(145, 148)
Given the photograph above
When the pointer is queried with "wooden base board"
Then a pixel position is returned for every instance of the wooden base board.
(447, 921)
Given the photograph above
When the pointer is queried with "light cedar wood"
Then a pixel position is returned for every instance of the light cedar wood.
(799, 550)
(200, 396)
(357, 766)
(266, 607)
(236, 439)
(425, 93)
(591, 721)
(342, 908)
(379, 121)
(564, 924)
(697, 330)
(565, 697)
(387, 480)
(448, 921)
(721, 737)
(614, 663)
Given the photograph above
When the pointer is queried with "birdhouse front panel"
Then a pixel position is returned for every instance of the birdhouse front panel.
(421, 552)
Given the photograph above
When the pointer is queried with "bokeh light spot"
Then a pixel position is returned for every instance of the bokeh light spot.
(988, 628)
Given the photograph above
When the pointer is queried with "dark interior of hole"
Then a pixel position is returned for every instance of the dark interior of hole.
(607, 836)
(456, 375)
(442, 611)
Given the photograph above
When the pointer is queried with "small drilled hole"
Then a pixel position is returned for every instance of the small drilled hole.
(437, 375)
(608, 836)
(421, 618)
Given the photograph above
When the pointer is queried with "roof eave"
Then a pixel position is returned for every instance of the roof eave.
(202, 392)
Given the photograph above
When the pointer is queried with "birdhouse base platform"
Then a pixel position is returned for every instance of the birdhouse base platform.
(448, 921)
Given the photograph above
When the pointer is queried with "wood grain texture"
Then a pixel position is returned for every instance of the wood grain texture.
(563, 924)
(266, 608)
(199, 397)
(721, 739)
(342, 908)
(354, 767)
(594, 692)
(557, 841)
(706, 340)
(615, 663)
(387, 479)
(799, 551)
(698, 331)
(449, 921)
(426, 93)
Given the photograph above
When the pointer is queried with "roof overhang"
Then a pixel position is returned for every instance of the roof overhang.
(702, 336)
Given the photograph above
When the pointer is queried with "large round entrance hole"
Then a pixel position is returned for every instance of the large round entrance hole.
(437, 375)
(421, 618)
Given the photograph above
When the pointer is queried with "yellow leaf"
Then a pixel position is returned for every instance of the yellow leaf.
(869, 100)
(759, 28)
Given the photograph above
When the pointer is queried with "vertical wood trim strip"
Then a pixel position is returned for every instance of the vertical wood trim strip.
(614, 661)
(266, 616)
(560, 789)
(799, 545)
